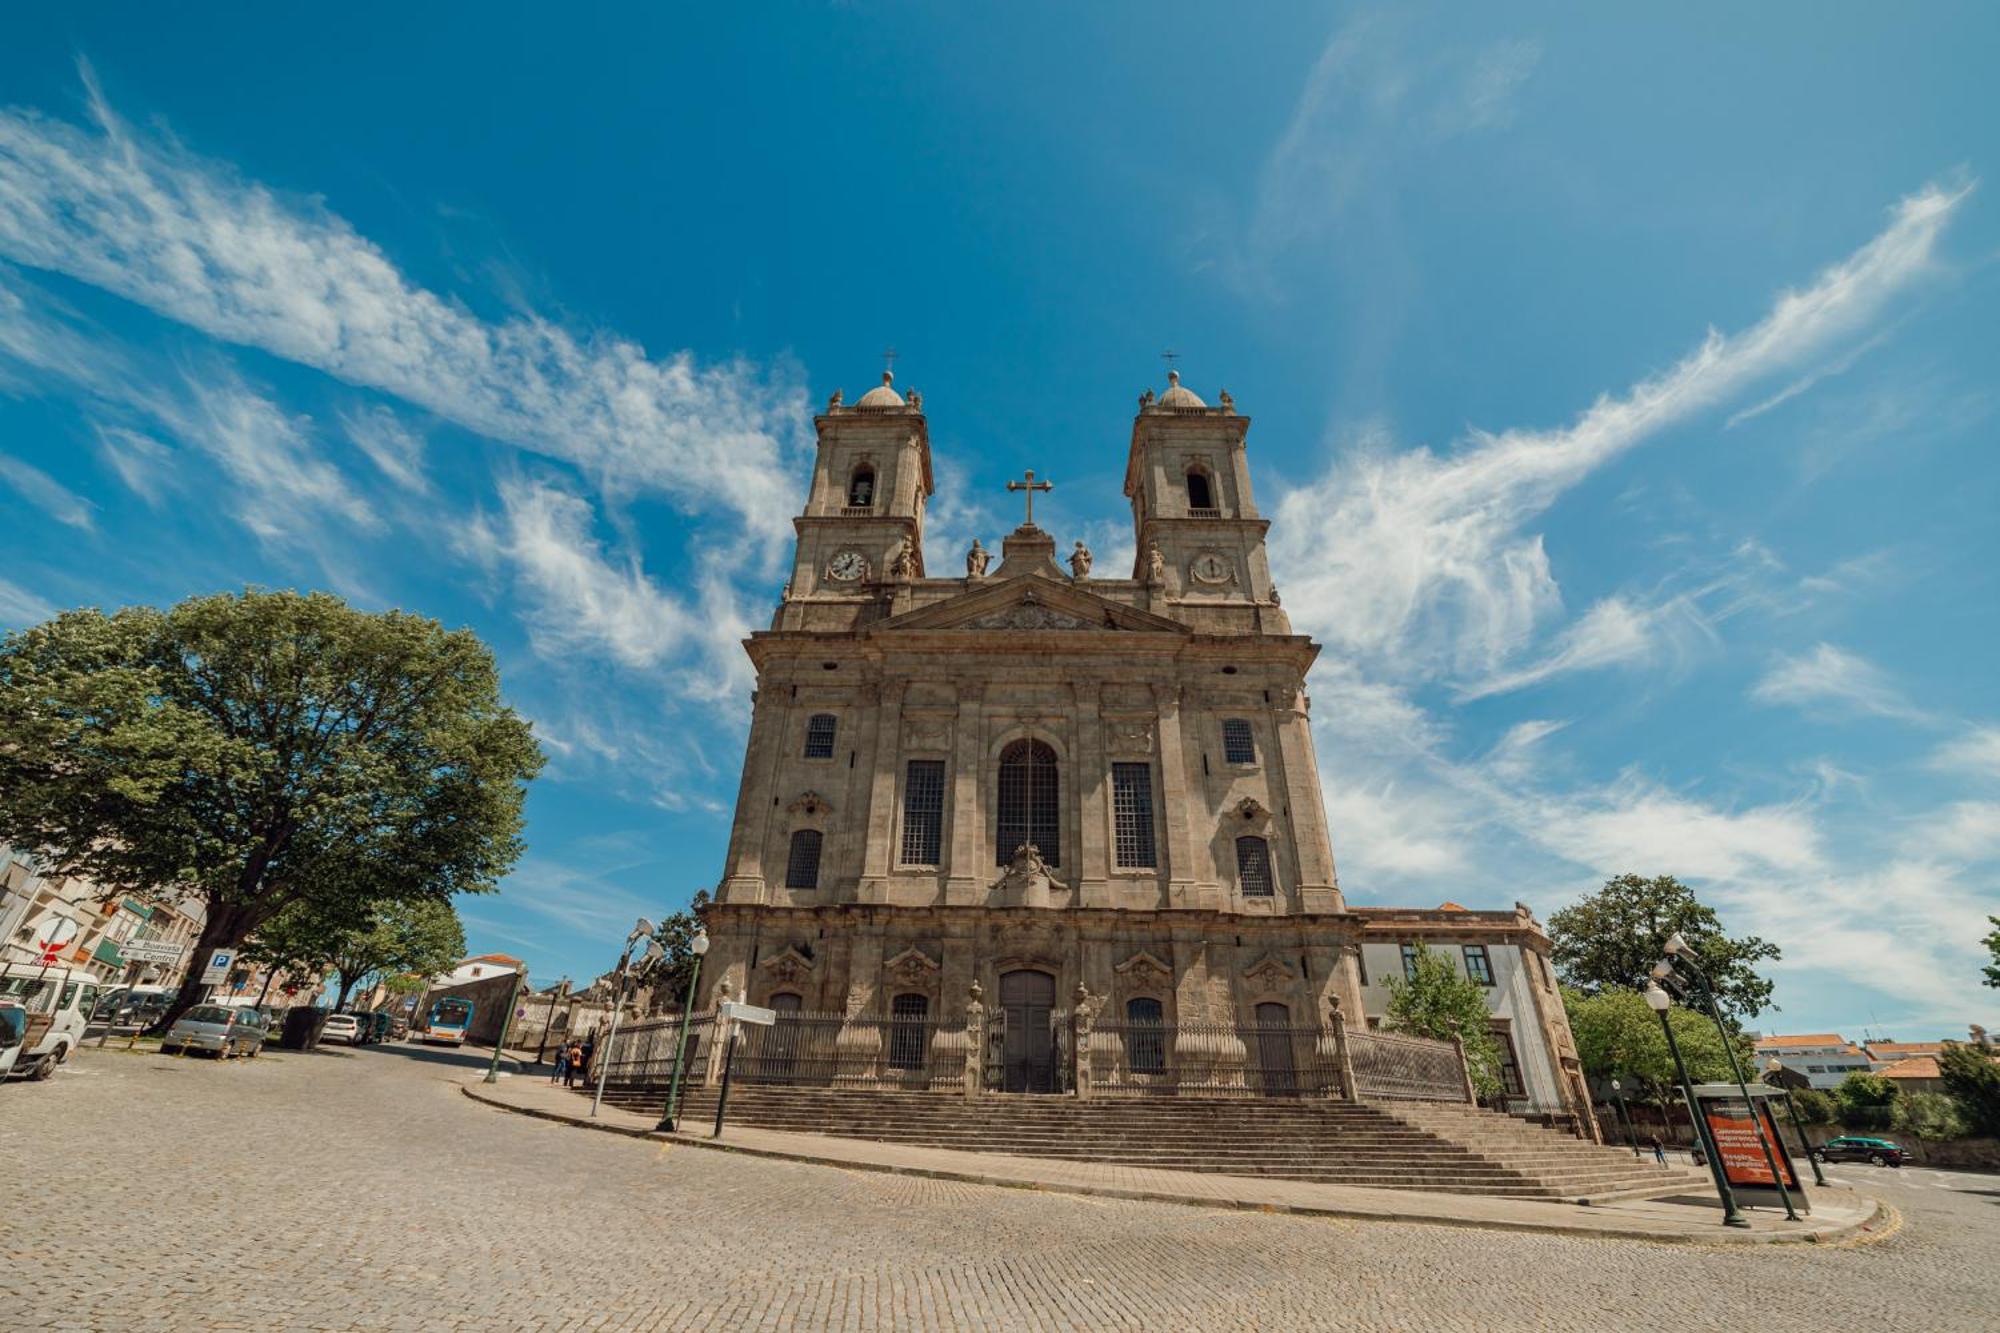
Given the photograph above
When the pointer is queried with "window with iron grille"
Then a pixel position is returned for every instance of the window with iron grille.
(819, 736)
(802, 866)
(1027, 811)
(1510, 1065)
(1409, 961)
(1132, 815)
(1253, 867)
(1477, 965)
(1145, 1036)
(1237, 745)
(909, 1032)
(923, 813)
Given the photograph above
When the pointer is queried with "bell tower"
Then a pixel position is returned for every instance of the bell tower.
(863, 523)
(1188, 478)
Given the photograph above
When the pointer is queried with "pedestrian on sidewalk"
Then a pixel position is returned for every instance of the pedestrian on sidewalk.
(572, 1061)
(558, 1074)
(589, 1050)
(1659, 1151)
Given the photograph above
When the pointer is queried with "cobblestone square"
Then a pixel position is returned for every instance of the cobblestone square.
(357, 1189)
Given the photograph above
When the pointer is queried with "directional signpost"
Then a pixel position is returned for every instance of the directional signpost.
(151, 951)
(741, 1013)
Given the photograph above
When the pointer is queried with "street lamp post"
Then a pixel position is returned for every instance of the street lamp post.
(1618, 1096)
(506, 1021)
(1798, 1126)
(1678, 951)
(1659, 1002)
(642, 931)
(698, 946)
(548, 1020)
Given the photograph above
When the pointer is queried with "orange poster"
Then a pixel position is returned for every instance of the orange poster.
(1736, 1146)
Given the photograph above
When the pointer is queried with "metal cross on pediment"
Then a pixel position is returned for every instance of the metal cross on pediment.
(1030, 486)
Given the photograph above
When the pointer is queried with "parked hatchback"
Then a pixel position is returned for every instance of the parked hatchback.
(341, 1027)
(217, 1029)
(1855, 1148)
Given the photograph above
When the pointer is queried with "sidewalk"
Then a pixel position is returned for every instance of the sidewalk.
(1838, 1214)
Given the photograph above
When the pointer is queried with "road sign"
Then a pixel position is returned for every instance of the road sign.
(217, 970)
(151, 951)
(749, 1013)
(55, 939)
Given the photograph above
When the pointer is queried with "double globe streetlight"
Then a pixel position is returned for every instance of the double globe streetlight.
(1659, 1002)
(698, 946)
(643, 930)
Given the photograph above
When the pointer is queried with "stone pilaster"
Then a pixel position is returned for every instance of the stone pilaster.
(968, 870)
(877, 858)
(743, 875)
(1091, 776)
(1182, 872)
(1318, 889)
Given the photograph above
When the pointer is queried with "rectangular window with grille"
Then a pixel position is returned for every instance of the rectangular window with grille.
(1132, 815)
(1477, 965)
(1253, 867)
(1409, 961)
(1237, 745)
(1510, 1065)
(923, 813)
(819, 736)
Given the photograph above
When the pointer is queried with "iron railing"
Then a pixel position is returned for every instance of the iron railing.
(1393, 1065)
(833, 1050)
(641, 1056)
(1212, 1060)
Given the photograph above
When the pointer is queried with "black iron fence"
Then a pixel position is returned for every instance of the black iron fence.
(1212, 1060)
(641, 1056)
(1390, 1065)
(831, 1050)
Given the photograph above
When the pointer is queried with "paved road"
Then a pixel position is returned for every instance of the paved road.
(356, 1189)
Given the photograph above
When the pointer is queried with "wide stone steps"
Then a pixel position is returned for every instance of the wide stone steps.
(1382, 1146)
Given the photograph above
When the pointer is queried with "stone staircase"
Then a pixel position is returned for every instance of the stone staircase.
(1383, 1145)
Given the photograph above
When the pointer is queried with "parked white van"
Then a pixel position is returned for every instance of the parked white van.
(58, 1003)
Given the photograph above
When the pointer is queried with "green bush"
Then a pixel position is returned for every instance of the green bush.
(1867, 1101)
(1972, 1077)
(1929, 1115)
(1814, 1107)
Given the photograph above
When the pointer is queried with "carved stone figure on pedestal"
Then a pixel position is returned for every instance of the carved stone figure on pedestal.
(1156, 566)
(903, 564)
(976, 560)
(1026, 880)
(1079, 561)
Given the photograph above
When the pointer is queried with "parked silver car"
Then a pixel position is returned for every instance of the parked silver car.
(217, 1029)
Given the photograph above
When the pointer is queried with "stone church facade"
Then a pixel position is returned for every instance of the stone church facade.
(1038, 782)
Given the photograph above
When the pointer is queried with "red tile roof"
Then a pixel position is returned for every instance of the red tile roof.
(1902, 1050)
(1804, 1039)
(1922, 1066)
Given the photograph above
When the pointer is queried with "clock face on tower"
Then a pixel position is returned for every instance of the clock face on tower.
(1209, 567)
(847, 566)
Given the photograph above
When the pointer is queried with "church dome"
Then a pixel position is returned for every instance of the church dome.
(882, 395)
(1176, 396)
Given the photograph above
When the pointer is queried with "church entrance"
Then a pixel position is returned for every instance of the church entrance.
(1030, 1053)
(1274, 1051)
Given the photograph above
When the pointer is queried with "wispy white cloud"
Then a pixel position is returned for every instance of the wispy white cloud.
(140, 216)
(1832, 679)
(47, 494)
(1964, 831)
(390, 444)
(1417, 561)
(1977, 751)
(19, 607)
(1613, 632)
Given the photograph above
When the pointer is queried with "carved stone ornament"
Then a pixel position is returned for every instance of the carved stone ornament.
(912, 969)
(1156, 566)
(1142, 971)
(1250, 812)
(927, 734)
(1269, 974)
(1026, 616)
(976, 560)
(1213, 568)
(903, 564)
(1129, 737)
(810, 804)
(1025, 883)
(788, 968)
(1079, 561)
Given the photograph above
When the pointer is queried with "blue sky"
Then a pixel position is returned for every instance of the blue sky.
(1623, 395)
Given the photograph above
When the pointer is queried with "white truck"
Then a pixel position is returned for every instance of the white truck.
(57, 1003)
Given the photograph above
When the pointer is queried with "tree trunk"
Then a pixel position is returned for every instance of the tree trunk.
(346, 985)
(270, 975)
(223, 929)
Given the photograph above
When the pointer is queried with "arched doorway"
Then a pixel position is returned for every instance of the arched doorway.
(1030, 1052)
(1276, 1072)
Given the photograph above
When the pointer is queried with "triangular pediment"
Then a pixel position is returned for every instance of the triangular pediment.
(1031, 604)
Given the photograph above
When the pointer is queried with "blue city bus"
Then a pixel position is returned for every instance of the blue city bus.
(450, 1017)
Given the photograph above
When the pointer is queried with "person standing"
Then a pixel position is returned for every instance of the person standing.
(572, 1058)
(589, 1051)
(1659, 1151)
(561, 1071)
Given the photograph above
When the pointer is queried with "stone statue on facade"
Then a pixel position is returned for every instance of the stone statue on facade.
(1079, 561)
(916, 401)
(1145, 400)
(976, 560)
(835, 401)
(1228, 403)
(1156, 566)
(1026, 881)
(903, 564)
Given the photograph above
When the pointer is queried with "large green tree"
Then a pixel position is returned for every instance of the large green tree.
(1438, 1001)
(1611, 939)
(259, 750)
(1867, 1101)
(1992, 943)
(1972, 1078)
(669, 974)
(1619, 1036)
(420, 938)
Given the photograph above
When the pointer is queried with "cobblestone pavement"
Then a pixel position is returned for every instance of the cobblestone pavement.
(356, 1189)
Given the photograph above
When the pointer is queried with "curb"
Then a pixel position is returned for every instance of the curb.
(1861, 1231)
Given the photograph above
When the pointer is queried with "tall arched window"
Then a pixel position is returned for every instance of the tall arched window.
(1145, 1035)
(1028, 807)
(861, 487)
(1253, 867)
(802, 866)
(1201, 492)
(819, 736)
(909, 1031)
